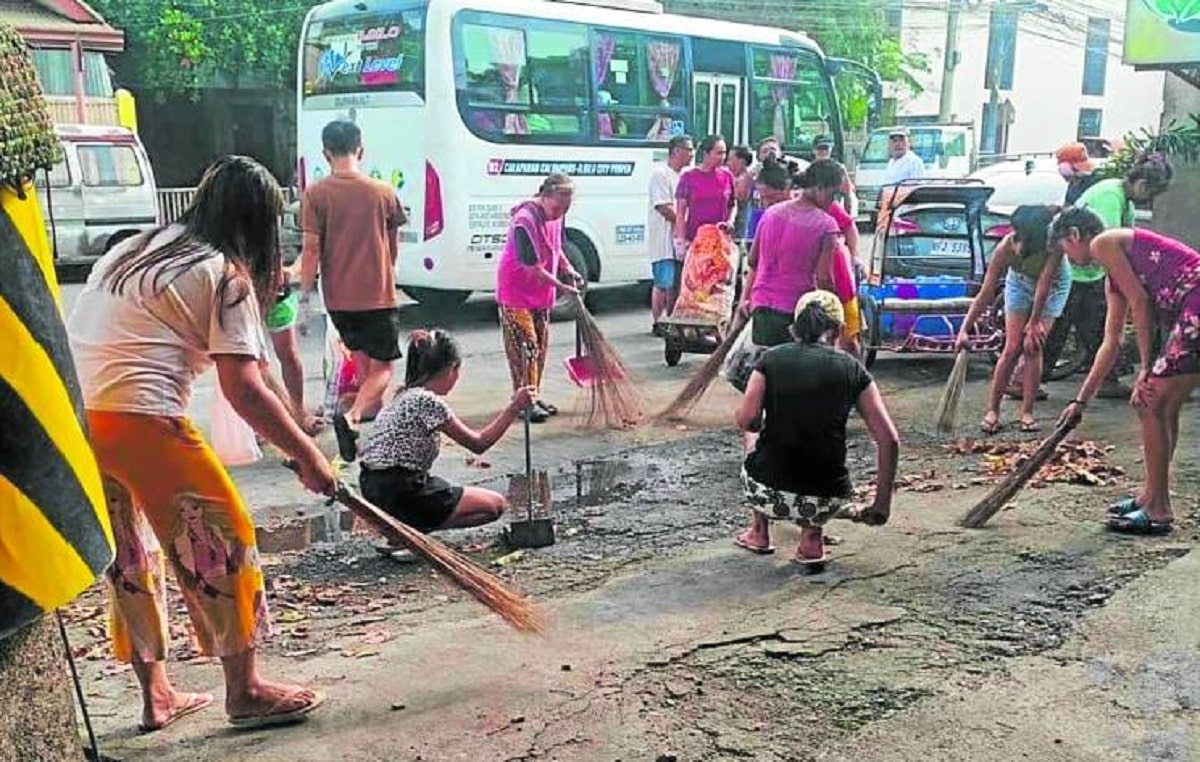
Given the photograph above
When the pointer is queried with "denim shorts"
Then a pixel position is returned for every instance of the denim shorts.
(1019, 288)
(666, 273)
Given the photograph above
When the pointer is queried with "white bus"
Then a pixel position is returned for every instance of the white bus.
(466, 104)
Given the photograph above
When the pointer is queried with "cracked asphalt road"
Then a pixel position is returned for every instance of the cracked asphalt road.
(1039, 637)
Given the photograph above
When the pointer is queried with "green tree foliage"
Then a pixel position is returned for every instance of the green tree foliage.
(1178, 142)
(175, 46)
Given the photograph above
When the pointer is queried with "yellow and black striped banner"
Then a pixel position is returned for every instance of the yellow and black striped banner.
(55, 537)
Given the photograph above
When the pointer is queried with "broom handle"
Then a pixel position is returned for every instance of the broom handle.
(579, 307)
(528, 466)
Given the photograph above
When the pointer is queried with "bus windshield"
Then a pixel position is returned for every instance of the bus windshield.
(354, 52)
(792, 98)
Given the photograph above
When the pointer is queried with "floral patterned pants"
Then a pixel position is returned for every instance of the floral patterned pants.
(169, 496)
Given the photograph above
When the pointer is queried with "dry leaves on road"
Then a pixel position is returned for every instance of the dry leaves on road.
(1084, 462)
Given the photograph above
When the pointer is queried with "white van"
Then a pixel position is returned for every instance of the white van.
(103, 188)
(948, 150)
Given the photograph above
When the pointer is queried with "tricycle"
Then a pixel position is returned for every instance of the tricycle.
(926, 263)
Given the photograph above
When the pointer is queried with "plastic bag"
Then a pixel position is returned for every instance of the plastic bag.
(742, 358)
(232, 438)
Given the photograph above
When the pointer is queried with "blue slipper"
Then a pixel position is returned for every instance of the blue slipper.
(1124, 506)
(1138, 523)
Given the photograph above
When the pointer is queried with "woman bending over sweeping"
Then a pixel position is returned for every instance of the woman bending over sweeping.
(1152, 276)
(798, 400)
(1020, 259)
(532, 270)
(406, 438)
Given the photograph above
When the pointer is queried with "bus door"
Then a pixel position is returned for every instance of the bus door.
(720, 107)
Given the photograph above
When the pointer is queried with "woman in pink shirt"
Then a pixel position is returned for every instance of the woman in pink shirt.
(527, 281)
(705, 195)
(793, 252)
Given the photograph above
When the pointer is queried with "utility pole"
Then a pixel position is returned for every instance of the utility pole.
(950, 61)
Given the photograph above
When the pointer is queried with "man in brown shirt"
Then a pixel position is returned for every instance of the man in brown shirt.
(350, 226)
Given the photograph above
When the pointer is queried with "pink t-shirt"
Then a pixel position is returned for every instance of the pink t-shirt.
(839, 214)
(709, 196)
(788, 241)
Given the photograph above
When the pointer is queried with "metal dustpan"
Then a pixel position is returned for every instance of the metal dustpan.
(532, 524)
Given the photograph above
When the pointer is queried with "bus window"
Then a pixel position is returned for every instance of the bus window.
(640, 86)
(521, 83)
(792, 98)
(360, 53)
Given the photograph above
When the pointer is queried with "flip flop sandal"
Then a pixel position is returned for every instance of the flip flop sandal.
(347, 438)
(273, 719)
(195, 702)
(1138, 523)
(991, 428)
(1122, 507)
(1030, 427)
(811, 565)
(550, 409)
(757, 550)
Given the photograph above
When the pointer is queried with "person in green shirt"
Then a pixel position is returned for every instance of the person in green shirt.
(1113, 202)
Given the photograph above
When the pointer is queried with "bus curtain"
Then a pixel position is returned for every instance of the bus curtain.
(55, 536)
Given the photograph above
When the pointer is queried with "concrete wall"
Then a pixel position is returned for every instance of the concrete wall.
(1047, 77)
(1175, 211)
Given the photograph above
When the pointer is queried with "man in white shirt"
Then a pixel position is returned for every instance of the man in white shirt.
(904, 164)
(660, 226)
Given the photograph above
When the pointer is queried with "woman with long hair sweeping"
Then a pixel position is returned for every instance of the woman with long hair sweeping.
(530, 274)
(157, 311)
(798, 402)
(792, 254)
(1020, 259)
(1157, 279)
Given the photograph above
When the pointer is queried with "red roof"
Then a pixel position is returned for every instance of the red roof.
(73, 10)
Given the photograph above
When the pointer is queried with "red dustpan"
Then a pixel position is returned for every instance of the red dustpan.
(582, 370)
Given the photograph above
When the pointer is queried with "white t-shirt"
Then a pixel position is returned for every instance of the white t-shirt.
(660, 234)
(907, 167)
(140, 351)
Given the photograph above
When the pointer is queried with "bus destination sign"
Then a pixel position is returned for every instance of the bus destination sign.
(535, 168)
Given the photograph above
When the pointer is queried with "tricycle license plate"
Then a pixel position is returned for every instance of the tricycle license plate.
(951, 248)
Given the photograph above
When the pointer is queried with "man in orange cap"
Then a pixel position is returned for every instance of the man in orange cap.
(1077, 168)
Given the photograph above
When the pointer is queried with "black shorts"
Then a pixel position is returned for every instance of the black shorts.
(417, 498)
(375, 333)
(771, 327)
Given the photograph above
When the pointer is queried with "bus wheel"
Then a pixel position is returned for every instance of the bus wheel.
(564, 305)
(436, 298)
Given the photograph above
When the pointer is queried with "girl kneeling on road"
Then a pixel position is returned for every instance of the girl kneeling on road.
(1020, 259)
(405, 441)
(800, 397)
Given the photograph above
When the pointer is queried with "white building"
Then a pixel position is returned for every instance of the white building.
(1056, 65)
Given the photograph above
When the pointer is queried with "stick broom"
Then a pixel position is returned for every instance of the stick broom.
(1012, 484)
(488, 589)
(947, 409)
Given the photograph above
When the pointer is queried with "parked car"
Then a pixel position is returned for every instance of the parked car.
(1018, 181)
(103, 188)
(948, 150)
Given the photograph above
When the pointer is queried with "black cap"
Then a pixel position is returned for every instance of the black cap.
(823, 140)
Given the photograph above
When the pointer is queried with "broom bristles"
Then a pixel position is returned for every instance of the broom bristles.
(702, 379)
(486, 588)
(947, 409)
(612, 396)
